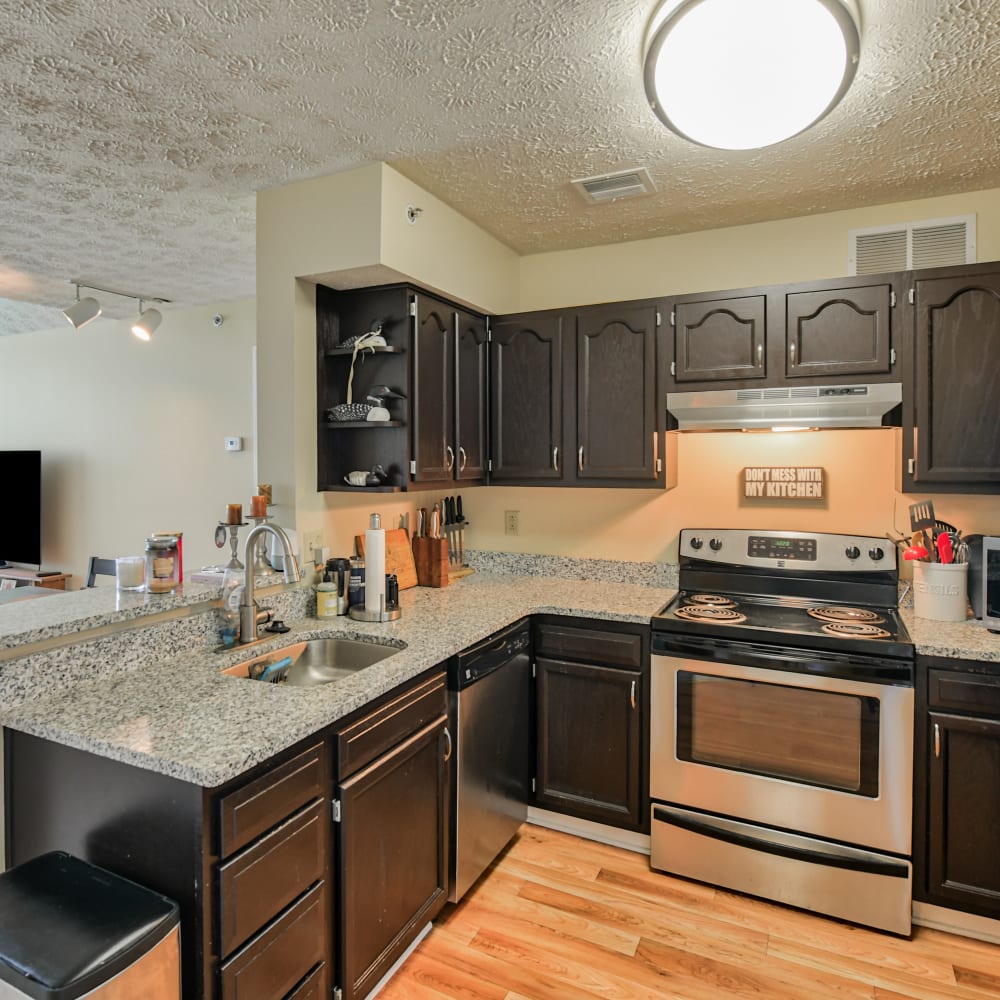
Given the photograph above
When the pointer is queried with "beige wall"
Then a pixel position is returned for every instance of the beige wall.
(799, 249)
(131, 434)
(345, 230)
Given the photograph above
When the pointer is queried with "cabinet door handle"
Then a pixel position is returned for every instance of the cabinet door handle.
(631, 696)
(451, 457)
(937, 740)
(760, 355)
(555, 459)
(462, 459)
(447, 736)
(579, 459)
(791, 351)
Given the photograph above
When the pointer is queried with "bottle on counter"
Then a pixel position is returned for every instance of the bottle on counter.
(326, 596)
(356, 586)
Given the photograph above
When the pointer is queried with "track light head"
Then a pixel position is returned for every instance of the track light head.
(145, 326)
(81, 312)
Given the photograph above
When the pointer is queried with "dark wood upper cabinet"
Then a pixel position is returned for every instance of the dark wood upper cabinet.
(527, 358)
(838, 331)
(471, 354)
(616, 392)
(952, 434)
(433, 389)
(720, 339)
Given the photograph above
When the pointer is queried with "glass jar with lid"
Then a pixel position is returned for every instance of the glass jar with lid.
(162, 564)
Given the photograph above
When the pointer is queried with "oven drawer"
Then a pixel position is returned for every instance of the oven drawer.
(840, 881)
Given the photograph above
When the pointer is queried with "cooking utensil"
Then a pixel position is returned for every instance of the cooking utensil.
(946, 553)
(421, 522)
(435, 522)
(922, 515)
(918, 552)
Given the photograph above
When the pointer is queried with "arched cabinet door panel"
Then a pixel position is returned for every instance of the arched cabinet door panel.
(716, 340)
(955, 436)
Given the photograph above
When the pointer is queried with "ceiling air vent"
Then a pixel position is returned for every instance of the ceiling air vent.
(911, 245)
(614, 187)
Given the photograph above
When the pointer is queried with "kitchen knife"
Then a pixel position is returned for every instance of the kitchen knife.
(460, 520)
(459, 516)
(435, 528)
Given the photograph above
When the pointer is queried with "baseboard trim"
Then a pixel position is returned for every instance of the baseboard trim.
(940, 918)
(599, 832)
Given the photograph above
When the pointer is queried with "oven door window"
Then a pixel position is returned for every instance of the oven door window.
(797, 734)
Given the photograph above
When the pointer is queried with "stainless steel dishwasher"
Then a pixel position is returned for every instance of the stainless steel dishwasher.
(490, 706)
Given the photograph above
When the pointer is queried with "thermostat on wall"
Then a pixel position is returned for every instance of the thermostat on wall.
(233, 444)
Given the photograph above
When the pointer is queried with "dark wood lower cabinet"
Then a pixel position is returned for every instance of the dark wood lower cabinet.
(392, 861)
(957, 785)
(592, 723)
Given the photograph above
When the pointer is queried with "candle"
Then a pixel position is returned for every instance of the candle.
(264, 489)
(258, 506)
(234, 513)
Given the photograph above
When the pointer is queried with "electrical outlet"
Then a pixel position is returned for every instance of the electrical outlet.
(511, 519)
(311, 540)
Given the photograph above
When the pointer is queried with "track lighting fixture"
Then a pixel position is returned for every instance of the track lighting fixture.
(145, 326)
(82, 311)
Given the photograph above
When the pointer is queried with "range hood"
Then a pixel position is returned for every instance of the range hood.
(796, 406)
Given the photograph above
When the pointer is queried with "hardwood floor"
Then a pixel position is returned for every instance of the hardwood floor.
(560, 918)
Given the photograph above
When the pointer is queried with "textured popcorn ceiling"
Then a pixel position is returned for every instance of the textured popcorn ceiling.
(134, 134)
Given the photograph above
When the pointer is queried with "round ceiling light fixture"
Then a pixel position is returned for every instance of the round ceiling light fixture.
(743, 74)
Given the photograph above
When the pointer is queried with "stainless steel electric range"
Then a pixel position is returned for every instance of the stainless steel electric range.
(781, 748)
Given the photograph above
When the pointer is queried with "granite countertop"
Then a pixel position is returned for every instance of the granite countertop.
(968, 640)
(181, 717)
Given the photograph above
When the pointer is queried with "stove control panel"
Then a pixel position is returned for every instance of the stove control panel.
(777, 547)
(792, 550)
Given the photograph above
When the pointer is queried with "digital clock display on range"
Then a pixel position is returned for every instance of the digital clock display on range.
(761, 547)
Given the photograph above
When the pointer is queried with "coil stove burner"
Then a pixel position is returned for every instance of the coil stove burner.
(715, 600)
(850, 630)
(846, 615)
(710, 613)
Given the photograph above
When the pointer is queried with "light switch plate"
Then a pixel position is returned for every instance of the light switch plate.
(233, 444)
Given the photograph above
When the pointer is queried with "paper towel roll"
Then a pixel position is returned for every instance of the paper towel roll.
(374, 566)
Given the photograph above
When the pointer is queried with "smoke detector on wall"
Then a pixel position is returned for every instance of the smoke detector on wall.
(633, 183)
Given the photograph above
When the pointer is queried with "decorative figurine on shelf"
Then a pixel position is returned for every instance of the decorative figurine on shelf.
(373, 411)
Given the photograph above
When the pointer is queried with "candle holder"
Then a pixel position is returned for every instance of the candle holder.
(234, 542)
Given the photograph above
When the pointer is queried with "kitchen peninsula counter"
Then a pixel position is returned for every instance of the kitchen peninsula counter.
(179, 716)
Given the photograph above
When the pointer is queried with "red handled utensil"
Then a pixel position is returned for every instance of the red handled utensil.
(946, 552)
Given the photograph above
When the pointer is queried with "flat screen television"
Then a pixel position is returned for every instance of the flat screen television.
(21, 507)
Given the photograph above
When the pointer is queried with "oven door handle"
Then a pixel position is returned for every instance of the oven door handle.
(705, 828)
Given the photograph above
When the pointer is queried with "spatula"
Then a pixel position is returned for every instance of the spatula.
(922, 516)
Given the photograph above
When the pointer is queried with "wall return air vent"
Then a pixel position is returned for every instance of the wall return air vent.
(614, 187)
(911, 245)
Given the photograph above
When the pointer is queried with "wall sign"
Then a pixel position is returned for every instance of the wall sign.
(780, 482)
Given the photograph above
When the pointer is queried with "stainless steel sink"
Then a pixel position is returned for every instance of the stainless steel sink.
(316, 661)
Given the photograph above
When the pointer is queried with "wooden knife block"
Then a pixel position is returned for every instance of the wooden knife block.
(431, 558)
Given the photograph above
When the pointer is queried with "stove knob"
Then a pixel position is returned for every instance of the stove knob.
(696, 543)
(852, 552)
(875, 554)
(715, 544)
